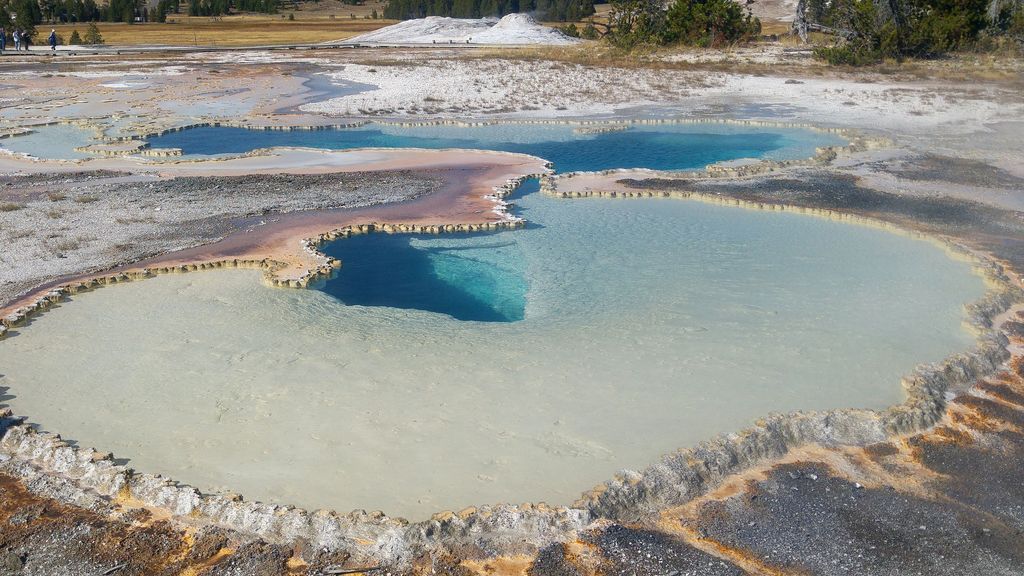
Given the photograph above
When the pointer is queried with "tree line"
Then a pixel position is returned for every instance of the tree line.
(857, 31)
(222, 7)
(868, 31)
(25, 14)
(552, 10)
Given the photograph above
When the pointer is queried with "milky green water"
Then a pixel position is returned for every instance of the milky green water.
(51, 142)
(644, 326)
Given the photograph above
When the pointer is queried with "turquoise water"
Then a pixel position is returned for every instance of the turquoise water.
(479, 280)
(646, 326)
(660, 147)
(54, 142)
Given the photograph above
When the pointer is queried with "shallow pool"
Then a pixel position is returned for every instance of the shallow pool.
(56, 142)
(530, 365)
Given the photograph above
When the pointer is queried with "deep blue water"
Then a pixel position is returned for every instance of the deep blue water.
(464, 282)
(660, 147)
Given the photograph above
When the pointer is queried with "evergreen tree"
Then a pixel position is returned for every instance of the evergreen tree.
(28, 15)
(49, 9)
(75, 39)
(711, 23)
(92, 35)
(691, 22)
(636, 22)
(88, 10)
(560, 10)
(868, 31)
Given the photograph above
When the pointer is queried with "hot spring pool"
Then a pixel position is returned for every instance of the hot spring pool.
(658, 146)
(53, 142)
(440, 372)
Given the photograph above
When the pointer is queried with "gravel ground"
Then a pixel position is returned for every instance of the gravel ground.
(631, 552)
(934, 168)
(802, 519)
(58, 225)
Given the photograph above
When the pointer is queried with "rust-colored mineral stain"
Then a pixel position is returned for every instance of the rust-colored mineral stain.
(1005, 389)
(518, 565)
(585, 557)
(201, 567)
(880, 450)
(991, 414)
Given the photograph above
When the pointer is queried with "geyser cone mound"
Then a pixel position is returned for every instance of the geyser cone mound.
(512, 29)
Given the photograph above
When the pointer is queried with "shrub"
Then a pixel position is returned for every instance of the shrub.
(847, 55)
(75, 38)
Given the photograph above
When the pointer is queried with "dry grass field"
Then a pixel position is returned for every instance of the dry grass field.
(776, 27)
(236, 30)
(313, 22)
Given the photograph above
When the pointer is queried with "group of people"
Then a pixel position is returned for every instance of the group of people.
(23, 39)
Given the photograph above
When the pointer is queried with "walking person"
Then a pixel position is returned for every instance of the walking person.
(26, 39)
(3, 40)
(17, 39)
(53, 39)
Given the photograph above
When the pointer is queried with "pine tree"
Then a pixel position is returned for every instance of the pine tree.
(564, 10)
(92, 35)
(75, 39)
